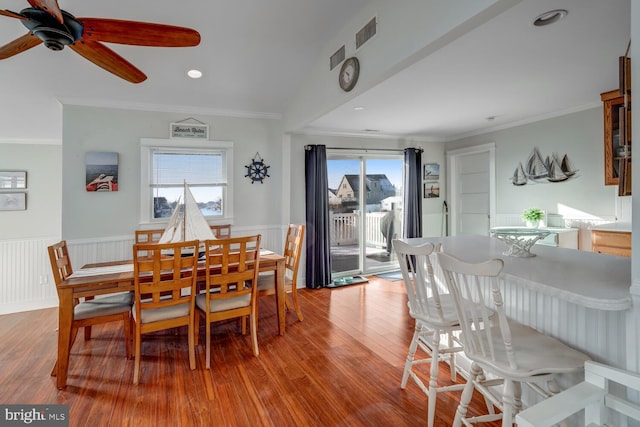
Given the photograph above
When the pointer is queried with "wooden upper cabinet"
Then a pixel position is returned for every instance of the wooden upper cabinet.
(617, 136)
(612, 101)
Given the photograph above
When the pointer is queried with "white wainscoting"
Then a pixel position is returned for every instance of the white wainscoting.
(25, 275)
(26, 282)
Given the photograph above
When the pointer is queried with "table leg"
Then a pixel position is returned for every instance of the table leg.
(281, 295)
(65, 319)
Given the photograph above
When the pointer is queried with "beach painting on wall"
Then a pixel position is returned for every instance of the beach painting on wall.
(431, 190)
(431, 171)
(101, 171)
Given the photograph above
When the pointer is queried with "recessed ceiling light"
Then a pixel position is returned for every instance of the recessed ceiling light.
(550, 17)
(358, 108)
(194, 74)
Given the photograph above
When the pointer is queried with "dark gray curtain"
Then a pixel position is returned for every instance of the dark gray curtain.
(412, 192)
(318, 265)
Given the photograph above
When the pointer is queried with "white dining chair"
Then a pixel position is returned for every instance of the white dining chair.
(512, 353)
(435, 317)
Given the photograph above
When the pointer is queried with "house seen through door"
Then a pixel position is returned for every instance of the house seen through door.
(365, 211)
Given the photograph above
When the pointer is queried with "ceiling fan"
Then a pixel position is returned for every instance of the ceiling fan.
(56, 28)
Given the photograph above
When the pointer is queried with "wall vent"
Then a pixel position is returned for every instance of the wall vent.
(336, 58)
(366, 33)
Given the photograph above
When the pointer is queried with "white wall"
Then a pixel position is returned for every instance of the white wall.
(94, 215)
(25, 281)
(407, 31)
(580, 136)
(43, 164)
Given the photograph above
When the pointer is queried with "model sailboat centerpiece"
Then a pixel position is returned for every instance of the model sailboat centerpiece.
(192, 225)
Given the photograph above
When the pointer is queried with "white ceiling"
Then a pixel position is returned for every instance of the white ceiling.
(255, 53)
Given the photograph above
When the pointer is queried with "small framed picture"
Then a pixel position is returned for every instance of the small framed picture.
(13, 180)
(13, 201)
(431, 190)
(101, 171)
(431, 171)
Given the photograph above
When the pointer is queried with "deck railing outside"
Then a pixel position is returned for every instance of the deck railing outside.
(344, 229)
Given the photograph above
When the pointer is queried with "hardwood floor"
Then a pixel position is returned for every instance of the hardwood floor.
(340, 367)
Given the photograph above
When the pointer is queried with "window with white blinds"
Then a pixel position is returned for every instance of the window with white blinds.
(206, 169)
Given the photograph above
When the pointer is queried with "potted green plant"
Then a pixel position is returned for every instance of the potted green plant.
(532, 216)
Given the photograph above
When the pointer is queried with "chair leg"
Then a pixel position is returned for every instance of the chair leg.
(87, 333)
(257, 310)
(207, 341)
(196, 327)
(452, 358)
(467, 394)
(480, 378)
(74, 334)
(192, 347)
(127, 334)
(433, 380)
(253, 326)
(507, 403)
(412, 352)
(296, 305)
(138, 351)
(517, 396)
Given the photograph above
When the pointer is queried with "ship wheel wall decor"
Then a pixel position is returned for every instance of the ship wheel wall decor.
(257, 170)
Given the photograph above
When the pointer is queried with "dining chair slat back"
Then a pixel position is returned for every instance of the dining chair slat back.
(292, 253)
(90, 311)
(221, 231)
(230, 288)
(60, 262)
(148, 236)
(165, 286)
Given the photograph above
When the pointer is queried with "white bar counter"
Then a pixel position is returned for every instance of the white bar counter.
(582, 298)
(585, 278)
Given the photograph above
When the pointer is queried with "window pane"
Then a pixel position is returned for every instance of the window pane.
(195, 168)
(209, 199)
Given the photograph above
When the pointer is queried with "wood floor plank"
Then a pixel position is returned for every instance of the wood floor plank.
(341, 366)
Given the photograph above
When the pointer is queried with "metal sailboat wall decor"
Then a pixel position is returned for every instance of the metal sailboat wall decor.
(537, 170)
(519, 177)
(192, 225)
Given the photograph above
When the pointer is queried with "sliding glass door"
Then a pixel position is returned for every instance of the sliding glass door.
(365, 209)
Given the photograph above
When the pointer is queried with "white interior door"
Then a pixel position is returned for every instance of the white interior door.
(472, 187)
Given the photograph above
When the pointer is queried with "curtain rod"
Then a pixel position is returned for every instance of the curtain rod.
(395, 150)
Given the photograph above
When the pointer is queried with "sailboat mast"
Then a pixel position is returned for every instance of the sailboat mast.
(184, 212)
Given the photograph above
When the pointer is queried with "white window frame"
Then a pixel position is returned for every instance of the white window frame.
(147, 147)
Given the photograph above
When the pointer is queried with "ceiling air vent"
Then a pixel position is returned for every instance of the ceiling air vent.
(336, 58)
(366, 33)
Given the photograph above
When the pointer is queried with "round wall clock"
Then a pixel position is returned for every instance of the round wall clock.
(349, 73)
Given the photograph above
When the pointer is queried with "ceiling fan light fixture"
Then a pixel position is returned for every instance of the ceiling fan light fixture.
(194, 74)
(550, 17)
(53, 38)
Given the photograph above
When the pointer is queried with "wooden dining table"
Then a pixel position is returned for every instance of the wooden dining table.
(87, 285)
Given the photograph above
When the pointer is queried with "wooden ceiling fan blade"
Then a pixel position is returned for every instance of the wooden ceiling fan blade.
(49, 6)
(19, 45)
(12, 14)
(107, 59)
(138, 33)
